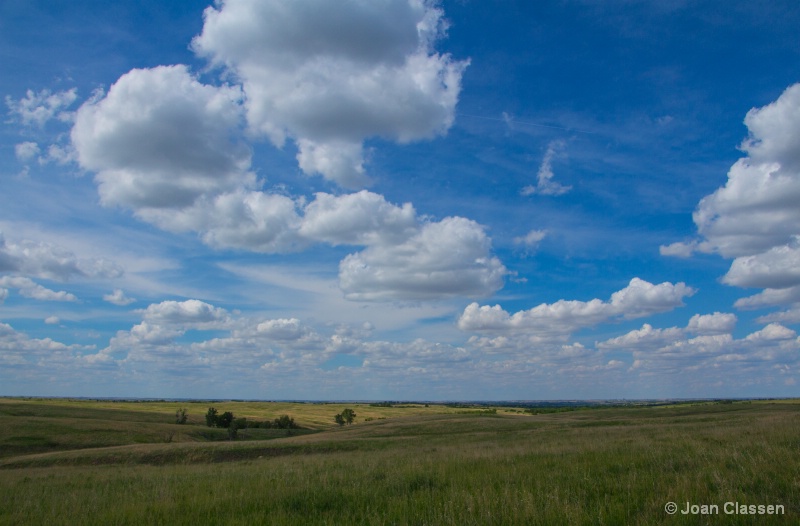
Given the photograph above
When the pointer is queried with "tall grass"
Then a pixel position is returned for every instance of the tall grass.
(609, 466)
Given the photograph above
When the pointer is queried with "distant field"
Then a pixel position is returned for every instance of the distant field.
(111, 463)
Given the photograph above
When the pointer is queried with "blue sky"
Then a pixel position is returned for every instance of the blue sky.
(400, 199)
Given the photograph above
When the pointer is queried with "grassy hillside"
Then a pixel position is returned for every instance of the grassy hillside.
(602, 466)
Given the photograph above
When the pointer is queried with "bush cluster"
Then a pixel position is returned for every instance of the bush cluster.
(232, 424)
(282, 422)
(345, 417)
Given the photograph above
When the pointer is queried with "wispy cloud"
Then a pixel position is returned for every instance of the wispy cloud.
(544, 177)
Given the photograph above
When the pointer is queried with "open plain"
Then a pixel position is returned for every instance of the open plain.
(103, 462)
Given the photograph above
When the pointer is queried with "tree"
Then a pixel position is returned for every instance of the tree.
(211, 417)
(181, 416)
(284, 422)
(225, 419)
(349, 415)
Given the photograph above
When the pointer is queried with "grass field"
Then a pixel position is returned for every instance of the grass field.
(109, 463)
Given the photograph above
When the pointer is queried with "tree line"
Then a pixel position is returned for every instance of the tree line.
(228, 420)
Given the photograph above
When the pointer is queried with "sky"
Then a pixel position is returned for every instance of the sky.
(400, 199)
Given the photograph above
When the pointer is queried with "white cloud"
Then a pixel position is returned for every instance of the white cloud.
(185, 313)
(18, 352)
(52, 320)
(532, 239)
(754, 218)
(30, 289)
(770, 297)
(144, 333)
(563, 317)
(714, 355)
(545, 184)
(329, 76)
(159, 142)
(169, 148)
(249, 220)
(444, 259)
(282, 329)
(340, 161)
(717, 323)
(118, 297)
(776, 268)
(649, 338)
(38, 108)
(50, 261)
(25, 151)
(160, 139)
(60, 154)
(772, 333)
(789, 316)
(362, 218)
(645, 338)
(678, 249)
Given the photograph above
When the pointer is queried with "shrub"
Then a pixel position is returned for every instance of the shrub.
(211, 417)
(181, 416)
(225, 419)
(285, 422)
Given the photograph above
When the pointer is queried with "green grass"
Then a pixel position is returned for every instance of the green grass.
(604, 466)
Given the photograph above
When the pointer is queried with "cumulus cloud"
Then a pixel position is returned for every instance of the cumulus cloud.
(362, 218)
(772, 333)
(716, 323)
(789, 316)
(326, 76)
(186, 313)
(38, 108)
(776, 268)
(118, 297)
(754, 217)
(770, 297)
(250, 220)
(161, 139)
(405, 257)
(161, 324)
(48, 261)
(647, 337)
(443, 259)
(545, 184)
(30, 289)
(329, 76)
(17, 351)
(563, 317)
(712, 353)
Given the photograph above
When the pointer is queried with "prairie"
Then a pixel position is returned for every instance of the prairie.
(407, 465)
